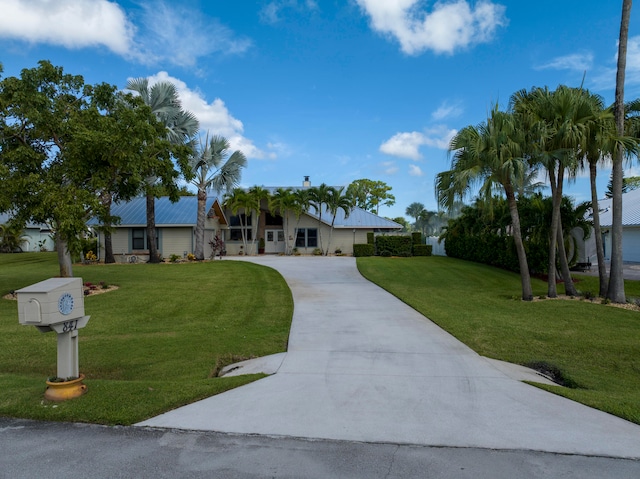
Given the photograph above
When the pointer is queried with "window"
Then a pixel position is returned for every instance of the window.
(272, 220)
(307, 238)
(139, 240)
(236, 224)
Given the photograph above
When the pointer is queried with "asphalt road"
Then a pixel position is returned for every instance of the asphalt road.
(43, 450)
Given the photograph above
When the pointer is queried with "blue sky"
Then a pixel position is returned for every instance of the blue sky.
(337, 90)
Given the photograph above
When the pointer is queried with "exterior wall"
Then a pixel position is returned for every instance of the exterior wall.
(31, 238)
(631, 244)
(177, 241)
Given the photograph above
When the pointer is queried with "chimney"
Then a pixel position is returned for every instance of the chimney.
(306, 182)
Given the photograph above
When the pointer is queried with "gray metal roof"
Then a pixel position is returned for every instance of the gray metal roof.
(358, 218)
(5, 217)
(184, 212)
(630, 209)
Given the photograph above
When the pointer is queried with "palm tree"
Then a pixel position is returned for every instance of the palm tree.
(180, 126)
(558, 123)
(237, 200)
(11, 237)
(283, 201)
(256, 195)
(213, 169)
(616, 279)
(492, 155)
(319, 195)
(337, 201)
(415, 210)
(301, 204)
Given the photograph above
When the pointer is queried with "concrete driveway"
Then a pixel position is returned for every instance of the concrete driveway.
(363, 366)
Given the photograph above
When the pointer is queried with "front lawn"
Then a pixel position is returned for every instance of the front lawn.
(596, 347)
(152, 345)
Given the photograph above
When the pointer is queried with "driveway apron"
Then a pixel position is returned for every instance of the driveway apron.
(363, 366)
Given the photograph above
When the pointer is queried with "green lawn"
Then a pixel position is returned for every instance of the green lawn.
(595, 346)
(150, 346)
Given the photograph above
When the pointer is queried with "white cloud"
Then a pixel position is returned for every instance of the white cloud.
(407, 145)
(272, 12)
(215, 118)
(404, 145)
(415, 170)
(68, 23)
(448, 26)
(447, 110)
(389, 167)
(577, 62)
(181, 35)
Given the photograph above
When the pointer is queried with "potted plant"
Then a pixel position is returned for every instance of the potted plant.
(261, 246)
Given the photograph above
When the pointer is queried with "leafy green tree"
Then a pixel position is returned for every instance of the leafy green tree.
(490, 154)
(401, 220)
(61, 141)
(213, 169)
(180, 128)
(369, 194)
(337, 200)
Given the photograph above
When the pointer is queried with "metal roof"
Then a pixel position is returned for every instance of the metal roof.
(6, 217)
(183, 212)
(358, 218)
(630, 209)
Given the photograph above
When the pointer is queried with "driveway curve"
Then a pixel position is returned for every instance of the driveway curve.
(363, 366)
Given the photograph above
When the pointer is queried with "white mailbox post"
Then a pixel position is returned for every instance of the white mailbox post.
(56, 304)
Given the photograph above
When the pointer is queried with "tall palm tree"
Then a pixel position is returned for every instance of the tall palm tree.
(283, 201)
(415, 210)
(337, 200)
(181, 126)
(239, 202)
(558, 123)
(301, 204)
(492, 156)
(616, 280)
(213, 169)
(319, 195)
(256, 195)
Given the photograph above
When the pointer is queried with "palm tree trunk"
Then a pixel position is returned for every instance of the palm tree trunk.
(525, 278)
(552, 291)
(330, 236)
(64, 257)
(569, 287)
(202, 203)
(151, 229)
(616, 279)
(597, 231)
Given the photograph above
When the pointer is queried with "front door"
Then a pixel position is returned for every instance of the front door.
(274, 241)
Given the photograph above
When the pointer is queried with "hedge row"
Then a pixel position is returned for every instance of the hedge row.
(393, 246)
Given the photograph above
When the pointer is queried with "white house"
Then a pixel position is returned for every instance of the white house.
(35, 236)
(630, 226)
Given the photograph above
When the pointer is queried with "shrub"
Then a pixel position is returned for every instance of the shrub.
(317, 252)
(416, 237)
(422, 250)
(394, 245)
(363, 250)
(174, 257)
(370, 238)
(191, 257)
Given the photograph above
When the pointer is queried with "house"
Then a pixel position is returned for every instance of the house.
(630, 226)
(176, 223)
(35, 236)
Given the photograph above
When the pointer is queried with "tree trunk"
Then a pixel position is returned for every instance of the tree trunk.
(202, 204)
(108, 244)
(151, 229)
(602, 268)
(569, 287)
(616, 279)
(64, 257)
(552, 291)
(525, 278)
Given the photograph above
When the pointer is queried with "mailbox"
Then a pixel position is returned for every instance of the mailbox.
(50, 302)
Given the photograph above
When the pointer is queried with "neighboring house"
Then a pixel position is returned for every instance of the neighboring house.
(176, 222)
(35, 236)
(630, 226)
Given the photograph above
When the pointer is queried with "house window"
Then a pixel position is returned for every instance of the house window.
(273, 220)
(236, 224)
(307, 238)
(139, 239)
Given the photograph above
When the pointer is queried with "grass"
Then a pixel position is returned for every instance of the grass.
(150, 346)
(594, 346)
